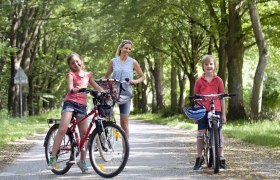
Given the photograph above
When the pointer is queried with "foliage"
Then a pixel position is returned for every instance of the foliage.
(271, 94)
(159, 29)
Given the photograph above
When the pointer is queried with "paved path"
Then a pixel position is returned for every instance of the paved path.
(156, 152)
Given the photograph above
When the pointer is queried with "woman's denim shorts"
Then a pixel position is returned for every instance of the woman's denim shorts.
(79, 109)
(203, 123)
(125, 108)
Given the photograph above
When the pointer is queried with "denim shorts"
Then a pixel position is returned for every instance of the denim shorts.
(125, 108)
(203, 123)
(79, 109)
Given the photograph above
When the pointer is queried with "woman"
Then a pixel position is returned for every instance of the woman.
(122, 67)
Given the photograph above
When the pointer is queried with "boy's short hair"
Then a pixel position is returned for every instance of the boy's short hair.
(208, 57)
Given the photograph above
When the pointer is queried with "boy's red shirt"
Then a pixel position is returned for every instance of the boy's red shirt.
(203, 87)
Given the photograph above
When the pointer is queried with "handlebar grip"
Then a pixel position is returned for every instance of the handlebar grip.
(82, 90)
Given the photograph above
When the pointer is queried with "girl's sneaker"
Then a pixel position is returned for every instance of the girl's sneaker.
(83, 166)
(52, 162)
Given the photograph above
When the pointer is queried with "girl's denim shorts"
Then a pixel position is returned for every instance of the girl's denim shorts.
(125, 108)
(79, 109)
(203, 123)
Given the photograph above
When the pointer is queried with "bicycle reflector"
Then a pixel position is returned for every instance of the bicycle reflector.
(195, 112)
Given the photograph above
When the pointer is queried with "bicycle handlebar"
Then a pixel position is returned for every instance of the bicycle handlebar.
(221, 96)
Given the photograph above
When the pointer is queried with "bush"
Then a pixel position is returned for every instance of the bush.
(271, 96)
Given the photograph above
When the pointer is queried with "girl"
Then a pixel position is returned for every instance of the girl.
(77, 78)
(209, 83)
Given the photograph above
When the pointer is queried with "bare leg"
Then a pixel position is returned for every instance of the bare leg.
(200, 142)
(124, 124)
(83, 129)
(63, 126)
(221, 148)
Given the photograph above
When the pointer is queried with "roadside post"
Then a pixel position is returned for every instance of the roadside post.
(20, 79)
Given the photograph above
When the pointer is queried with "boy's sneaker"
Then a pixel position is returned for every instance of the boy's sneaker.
(223, 164)
(83, 166)
(198, 163)
(52, 162)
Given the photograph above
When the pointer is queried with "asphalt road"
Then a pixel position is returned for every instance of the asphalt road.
(156, 152)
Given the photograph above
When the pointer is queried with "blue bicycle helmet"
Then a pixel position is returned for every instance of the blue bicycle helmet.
(195, 112)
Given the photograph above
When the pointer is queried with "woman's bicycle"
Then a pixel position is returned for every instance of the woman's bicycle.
(212, 135)
(107, 143)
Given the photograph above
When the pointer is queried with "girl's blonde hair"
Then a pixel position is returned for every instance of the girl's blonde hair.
(208, 57)
(70, 56)
(124, 42)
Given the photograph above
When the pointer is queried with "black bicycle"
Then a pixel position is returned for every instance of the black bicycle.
(212, 135)
(107, 143)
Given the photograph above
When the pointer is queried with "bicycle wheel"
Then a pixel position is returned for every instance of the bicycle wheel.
(109, 150)
(64, 154)
(207, 149)
(215, 147)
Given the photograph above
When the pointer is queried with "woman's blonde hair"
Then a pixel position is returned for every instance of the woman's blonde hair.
(124, 42)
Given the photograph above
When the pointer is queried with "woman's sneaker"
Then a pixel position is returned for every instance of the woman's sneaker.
(52, 163)
(198, 163)
(83, 166)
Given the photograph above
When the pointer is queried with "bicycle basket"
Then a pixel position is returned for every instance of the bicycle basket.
(111, 86)
(105, 110)
(195, 112)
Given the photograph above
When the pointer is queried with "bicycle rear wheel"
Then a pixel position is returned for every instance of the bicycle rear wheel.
(108, 151)
(215, 147)
(64, 154)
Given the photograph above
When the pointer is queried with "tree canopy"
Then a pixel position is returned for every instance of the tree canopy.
(170, 38)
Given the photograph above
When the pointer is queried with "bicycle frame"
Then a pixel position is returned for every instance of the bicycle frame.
(81, 142)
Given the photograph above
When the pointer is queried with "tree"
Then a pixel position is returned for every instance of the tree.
(235, 52)
(256, 101)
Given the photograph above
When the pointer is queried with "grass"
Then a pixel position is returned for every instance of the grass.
(13, 129)
(265, 132)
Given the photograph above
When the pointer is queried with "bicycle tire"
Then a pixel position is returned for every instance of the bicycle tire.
(207, 149)
(64, 154)
(108, 161)
(216, 158)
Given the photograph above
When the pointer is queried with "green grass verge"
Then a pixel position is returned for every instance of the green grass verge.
(13, 129)
(265, 132)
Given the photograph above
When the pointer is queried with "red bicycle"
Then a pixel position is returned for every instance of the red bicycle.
(107, 143)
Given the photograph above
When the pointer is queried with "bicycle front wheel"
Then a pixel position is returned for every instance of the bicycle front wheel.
(109, 150)
(215, 147)
(64, 153)
(207, 149)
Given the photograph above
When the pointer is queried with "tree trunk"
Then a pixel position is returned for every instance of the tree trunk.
(182, 85)
(235, 51)
(173, 92)
(158, 75)
(256, 101)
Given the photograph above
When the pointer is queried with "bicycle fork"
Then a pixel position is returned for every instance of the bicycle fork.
(105, 136)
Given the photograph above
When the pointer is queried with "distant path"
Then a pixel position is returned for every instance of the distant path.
(156, 152)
